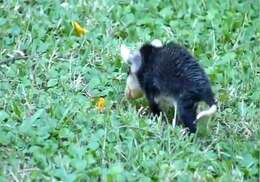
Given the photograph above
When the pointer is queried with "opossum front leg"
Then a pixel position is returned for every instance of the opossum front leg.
(154, 105)
(154, 108)
(175, 114)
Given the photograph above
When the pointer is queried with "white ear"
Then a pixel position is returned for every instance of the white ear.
(157, 43)
(125, 53)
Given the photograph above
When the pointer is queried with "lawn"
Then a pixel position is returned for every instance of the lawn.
(51, 128)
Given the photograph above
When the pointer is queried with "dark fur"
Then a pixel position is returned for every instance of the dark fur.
(172, 71)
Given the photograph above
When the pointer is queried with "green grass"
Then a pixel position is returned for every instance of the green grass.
(50, 128)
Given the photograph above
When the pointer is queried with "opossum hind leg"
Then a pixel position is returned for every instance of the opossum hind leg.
(187, 114)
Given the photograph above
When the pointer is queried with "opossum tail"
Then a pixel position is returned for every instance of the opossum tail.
(210, 100)
(208, 112)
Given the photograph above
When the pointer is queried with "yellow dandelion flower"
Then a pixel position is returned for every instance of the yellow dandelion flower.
(101, 104)
(79, 30)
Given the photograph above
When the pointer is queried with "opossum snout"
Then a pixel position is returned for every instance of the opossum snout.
(133, 89)
(133, 93)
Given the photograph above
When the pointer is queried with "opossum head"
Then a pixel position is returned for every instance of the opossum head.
(133, 89)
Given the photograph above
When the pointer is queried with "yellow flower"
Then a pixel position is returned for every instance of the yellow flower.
(80, 31)
(101, 104)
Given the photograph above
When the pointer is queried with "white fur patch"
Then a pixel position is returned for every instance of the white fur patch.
(157, 43)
